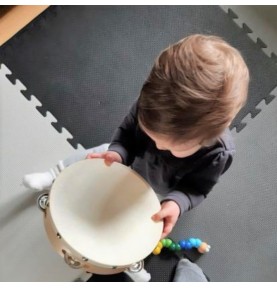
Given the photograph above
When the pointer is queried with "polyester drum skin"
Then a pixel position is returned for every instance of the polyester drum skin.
(101, 215)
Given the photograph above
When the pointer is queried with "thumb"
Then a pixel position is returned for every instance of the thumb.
(159, 216)
(109, 159)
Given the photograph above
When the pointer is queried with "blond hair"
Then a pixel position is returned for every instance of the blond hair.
(194, 90)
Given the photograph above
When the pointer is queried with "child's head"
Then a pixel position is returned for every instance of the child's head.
(194, 91)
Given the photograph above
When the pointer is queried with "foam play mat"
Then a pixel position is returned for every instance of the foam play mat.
(68, 78)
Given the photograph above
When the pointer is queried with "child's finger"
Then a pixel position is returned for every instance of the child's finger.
(94, 155)
(168, 226)
(108, 161)
(110, 158)
(159, 216)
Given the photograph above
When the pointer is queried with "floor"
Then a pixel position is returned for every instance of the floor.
(14, 18)
(21, 222)
(30, 250)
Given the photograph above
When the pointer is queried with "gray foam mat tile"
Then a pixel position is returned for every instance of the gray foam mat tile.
(28, 144)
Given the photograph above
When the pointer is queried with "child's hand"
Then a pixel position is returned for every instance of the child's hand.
(169, 213)
(109, 157)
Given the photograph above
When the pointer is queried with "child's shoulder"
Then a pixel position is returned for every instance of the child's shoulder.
(227, 141)
(223, 148)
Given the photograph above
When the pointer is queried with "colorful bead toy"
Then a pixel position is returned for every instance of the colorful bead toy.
(185, 244)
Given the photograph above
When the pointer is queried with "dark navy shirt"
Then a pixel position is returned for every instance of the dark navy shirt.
(187, 181)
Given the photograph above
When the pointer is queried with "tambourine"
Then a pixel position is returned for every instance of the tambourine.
(98, 217)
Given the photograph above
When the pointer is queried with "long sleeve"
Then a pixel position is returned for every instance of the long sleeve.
(193, 188)
(124, 138)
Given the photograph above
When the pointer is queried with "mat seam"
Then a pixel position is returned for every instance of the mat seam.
(38, 105)
(262, 45)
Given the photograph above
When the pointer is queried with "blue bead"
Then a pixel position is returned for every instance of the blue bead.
(188, 245)
(182, 243)
(192, 241)
(198, 243)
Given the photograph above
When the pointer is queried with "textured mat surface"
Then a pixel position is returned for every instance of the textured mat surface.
(28, 144)
(87, 69)
(86, 65)
(239, 218)
(161, 268)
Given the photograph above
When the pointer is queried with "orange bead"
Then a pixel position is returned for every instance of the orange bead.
(204, 248)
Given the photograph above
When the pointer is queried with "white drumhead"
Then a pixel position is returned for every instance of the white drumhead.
(104, 212)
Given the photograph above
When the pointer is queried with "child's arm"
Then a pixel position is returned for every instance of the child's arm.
(122, 147)
(193, 188)
(123, 141)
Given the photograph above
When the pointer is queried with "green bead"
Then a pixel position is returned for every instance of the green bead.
(172, 246)
(178, 247)
(168, 242)
(163, 242)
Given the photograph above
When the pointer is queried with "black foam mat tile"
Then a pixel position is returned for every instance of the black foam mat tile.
(86, 64)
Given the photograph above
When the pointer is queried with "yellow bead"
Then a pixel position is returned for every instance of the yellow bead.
(157, 251)
(160, 244)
